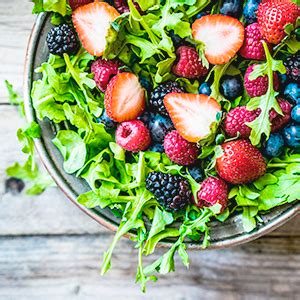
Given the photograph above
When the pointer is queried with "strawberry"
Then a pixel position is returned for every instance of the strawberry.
(179, 150)
(222, 36)
(240, 162)
(213, 190)
(133, 136)
(273, 16)
(92, 22)
(191, 114)
(76, 3)
(124, 97)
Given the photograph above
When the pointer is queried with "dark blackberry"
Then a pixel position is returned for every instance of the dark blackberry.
(156, 100)
(172, 192)
(62, 39)
(292, 64)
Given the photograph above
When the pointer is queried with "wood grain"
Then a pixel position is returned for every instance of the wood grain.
(15, 25)
(67, 267)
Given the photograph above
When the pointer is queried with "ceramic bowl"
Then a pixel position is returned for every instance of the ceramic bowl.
(225, 234)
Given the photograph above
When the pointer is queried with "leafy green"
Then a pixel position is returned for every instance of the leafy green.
(14, 98)
(59, 6)
(262, 125)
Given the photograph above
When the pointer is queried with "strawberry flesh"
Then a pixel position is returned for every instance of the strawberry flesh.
(222, 36)
(124, 97)
(192, 114)
(92, 22)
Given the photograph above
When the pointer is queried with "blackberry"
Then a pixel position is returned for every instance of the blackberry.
(172, 192)
(62, 39)
(292, 64)
(156, 100)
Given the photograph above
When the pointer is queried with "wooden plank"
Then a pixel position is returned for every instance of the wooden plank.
(68, 267)
(15, 26)
(50, 213)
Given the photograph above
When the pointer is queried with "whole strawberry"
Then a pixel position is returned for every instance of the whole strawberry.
(253, 47)
(236, 119)
(133, 136)
(279, 121)
(179, 150)
(212, 191)
(258, 86)
(104, 70)
(189, 64)
(240, 162)
(273, 16)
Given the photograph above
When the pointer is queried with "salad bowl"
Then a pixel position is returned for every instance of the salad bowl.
(227, 234)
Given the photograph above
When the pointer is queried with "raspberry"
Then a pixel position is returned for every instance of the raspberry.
(258, 86)
(179, 150)
(77, 3)
(279, 121)
(62, 39)
(156, 100)
(253, 47)
(133, 136)
(172, 192)
(103, 71)
(292, 64)
(213, 190)
(236, 119)
(189, 64)
(122, 6)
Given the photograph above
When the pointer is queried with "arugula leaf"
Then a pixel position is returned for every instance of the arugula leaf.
(59, 6)
(262, 125)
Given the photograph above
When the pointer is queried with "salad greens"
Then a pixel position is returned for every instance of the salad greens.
(66, 94)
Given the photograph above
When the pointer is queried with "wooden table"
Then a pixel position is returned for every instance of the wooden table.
(51, 250)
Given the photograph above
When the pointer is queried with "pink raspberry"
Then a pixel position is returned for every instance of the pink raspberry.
(279, 121)
(179, 150)
(104, 70)
(189, 64)
(259, 86)
(253, 47)
(236, 119)
(213, 190)
(122, 6)
(133, 136)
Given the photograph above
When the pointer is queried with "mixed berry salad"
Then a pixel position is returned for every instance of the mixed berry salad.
(176, 113)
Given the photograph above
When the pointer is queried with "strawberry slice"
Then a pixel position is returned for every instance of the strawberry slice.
(124, 98)
(192, 114)
(222, 36)
(92, 22)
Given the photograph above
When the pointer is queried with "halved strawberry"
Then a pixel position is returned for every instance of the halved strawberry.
(124, 98)
(92, 22)
(192, 114)
(222, 36)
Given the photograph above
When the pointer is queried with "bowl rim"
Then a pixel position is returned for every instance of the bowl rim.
(67, 190)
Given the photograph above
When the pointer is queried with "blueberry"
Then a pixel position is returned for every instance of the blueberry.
(205, 89)
(231, 8)
(196, 172)
(231, 87)
(292, 92)
(108, 123)
(177, 40)
(282, 78)
(249, 11)
(145, 83)
(157, 148)
(201, 14)
(291, 135)
(296, 113)
(274, 145)
(158, 125)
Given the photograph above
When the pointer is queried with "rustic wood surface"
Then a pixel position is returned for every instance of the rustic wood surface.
(51, 250)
